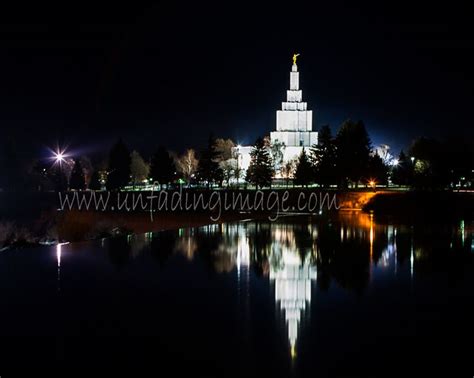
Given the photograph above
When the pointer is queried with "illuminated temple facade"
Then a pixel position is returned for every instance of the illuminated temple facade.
(294, 124)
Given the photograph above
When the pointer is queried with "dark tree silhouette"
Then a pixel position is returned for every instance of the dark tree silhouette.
(58, 177)
(162, 167)
(119, 166)
(304, 170)
(353, 151)
(323, 157)
(95, 181)
(77, 180)
(402, 173)
(377, 170)
(459, 152)
(260, 171)
(431, 167)
(208, 170)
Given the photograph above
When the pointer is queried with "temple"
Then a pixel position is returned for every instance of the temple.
(294, 124)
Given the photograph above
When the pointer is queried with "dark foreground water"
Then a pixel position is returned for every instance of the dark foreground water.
(299, 297)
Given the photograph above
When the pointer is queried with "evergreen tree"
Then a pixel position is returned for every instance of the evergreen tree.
(95, 181)
(77, 181)
(260, 171)
(304, 170)
(162, 167)
(208, 168)
(402, 173)
(377, 170)
(119, 166)
(432, 167)
(58, 177)
(323, 157)
(353, 148)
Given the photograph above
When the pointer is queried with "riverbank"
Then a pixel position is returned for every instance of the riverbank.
(422, 205)
(89, 225)
(36, 219)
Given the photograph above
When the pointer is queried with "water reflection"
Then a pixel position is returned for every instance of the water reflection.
(350, 252)
(303, 255)
(292, 277)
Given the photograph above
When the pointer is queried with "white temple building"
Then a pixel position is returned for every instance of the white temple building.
(294, 124)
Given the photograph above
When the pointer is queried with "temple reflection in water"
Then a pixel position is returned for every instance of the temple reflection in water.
(292, 277)
(304, 255)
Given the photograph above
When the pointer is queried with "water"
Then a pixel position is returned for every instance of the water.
(299, 297)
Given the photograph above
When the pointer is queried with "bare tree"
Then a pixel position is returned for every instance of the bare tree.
(187, 164)
(224, 149)
(288, 170)
(228, 169)
(226, 157)
(277, 150)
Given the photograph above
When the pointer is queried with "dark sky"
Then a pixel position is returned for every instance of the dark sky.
(170, 74)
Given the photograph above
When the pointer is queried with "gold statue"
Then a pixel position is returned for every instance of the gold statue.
(294, 58)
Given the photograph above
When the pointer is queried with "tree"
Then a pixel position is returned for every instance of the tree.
(187, 164)
(277, 150)
(238, 171)
(208, 168)
(288, 170)
(323, 157)
(304, 170)
(260, 171)
(377, 170)
(226, 157)
(353, 148)
(431, 164)
(139, 170)
(86, 168)
(162, 167)
(402, 173)
(77, 181)
(228, 168)
(95, 183)
(119, 166)
(58, 176)
(224, 149)
(459, 152)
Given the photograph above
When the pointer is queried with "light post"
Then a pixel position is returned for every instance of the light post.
(239, 157)
(59, 158)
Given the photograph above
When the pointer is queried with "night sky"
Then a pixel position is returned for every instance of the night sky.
(171, 74)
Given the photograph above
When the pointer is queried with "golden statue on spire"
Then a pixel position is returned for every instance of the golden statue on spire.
(294, 58)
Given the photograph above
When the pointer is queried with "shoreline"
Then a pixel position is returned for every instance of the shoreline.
(49, 224)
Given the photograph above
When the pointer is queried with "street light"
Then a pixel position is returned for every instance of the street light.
(59, 157)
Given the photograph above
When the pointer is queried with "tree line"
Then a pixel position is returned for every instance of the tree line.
(344, 160)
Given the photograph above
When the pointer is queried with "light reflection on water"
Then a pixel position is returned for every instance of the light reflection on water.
(303, 288)
(350, 252)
